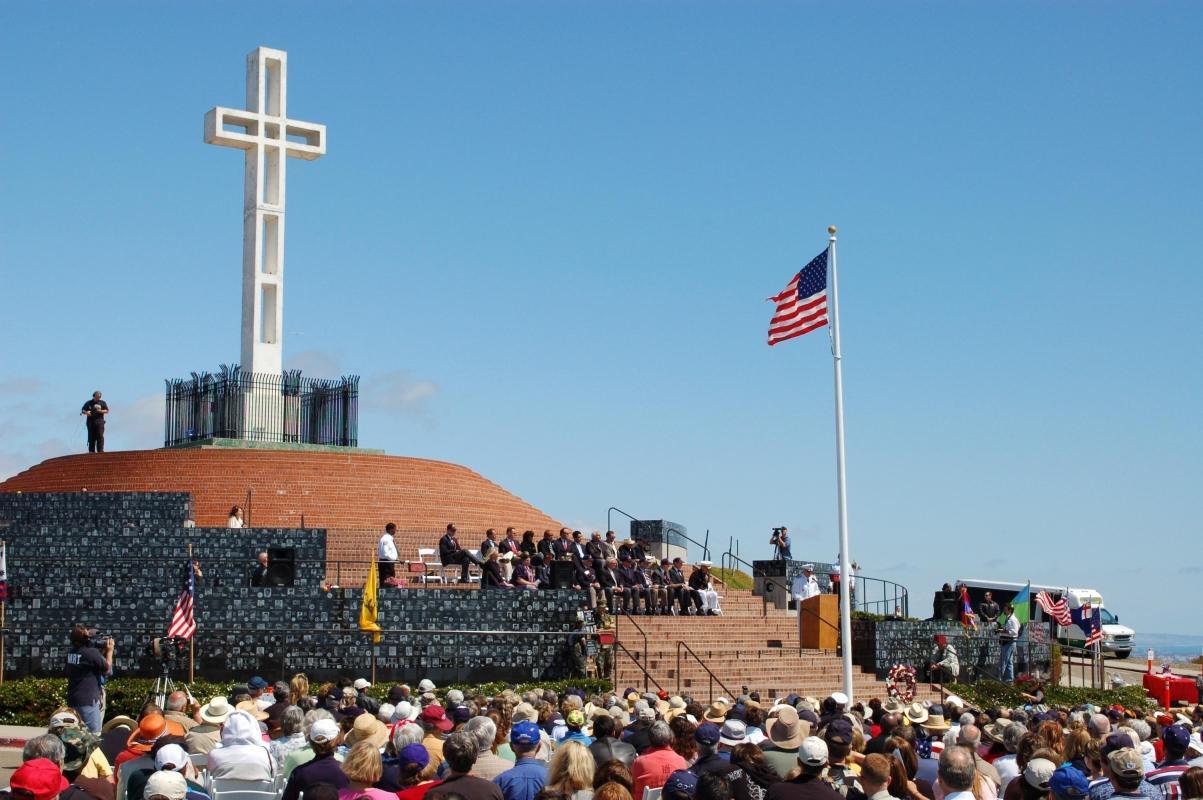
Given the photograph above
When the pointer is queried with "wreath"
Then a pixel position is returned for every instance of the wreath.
(900, 683)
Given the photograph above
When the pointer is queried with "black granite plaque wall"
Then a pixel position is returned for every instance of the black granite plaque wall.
(116, 562)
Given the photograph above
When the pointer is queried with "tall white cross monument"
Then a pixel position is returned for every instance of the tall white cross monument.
(268, 137)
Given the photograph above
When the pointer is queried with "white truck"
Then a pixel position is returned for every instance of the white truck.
(1117, 639)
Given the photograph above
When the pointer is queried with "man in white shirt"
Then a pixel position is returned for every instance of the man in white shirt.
(805, 585)
(1008, 635)
(386, 554)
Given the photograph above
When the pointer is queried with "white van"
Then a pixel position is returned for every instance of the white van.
(1117, 639)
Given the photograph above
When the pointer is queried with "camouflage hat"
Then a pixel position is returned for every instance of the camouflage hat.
(78, 745)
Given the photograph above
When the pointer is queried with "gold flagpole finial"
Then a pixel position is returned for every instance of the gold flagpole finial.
(831, 229)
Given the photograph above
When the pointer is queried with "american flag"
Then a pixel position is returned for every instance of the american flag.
(183, 619)
(1087, 618)
(1059, 610)
(802, 305)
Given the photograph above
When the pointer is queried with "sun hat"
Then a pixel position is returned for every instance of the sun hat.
(166, 783)
(935, 722)
(435, 715)
(733, 733)
(813, 752)
(405, 711)
(368, 729)
(524, 733)
(171, 757)
(323, 731)
(841, 699)
(716, 713)
(681, 781)
(525, 712)
(1196, 743)
(78, 746)
(39, 777)
(995, 730)
(414, 754)
(954, 700)
(150, 728)
(1068, 781)
(1039, 772)
(916, 714)
(893, 706)
(786, 731)
(252, 708)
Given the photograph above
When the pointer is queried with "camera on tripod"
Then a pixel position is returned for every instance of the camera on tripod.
(776, 538)
(168, 650)
(98, 640)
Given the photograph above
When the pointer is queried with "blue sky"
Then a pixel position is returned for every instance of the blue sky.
(544, 233)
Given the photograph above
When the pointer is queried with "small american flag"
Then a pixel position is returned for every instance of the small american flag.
(1059, 610)
(802, 305)
(183, 618)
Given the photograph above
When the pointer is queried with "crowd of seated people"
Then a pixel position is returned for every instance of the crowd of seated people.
(343, 743)
(618, 577)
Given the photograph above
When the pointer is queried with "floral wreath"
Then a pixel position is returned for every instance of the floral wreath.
(900, 683)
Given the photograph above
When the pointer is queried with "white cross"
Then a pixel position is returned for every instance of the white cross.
(268, 136)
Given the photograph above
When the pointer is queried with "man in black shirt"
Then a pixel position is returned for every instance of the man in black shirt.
(988, 611)
(86, 671)
(95, 410)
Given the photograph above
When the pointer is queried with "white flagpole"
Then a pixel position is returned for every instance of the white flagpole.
(841, 489)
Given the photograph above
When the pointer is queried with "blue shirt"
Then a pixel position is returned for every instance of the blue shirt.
(577, 736)
(524, 781)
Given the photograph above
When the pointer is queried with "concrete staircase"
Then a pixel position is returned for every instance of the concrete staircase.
(744, 647)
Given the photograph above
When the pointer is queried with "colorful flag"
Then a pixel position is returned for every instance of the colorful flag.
(968, 618)
(1058, 611)
(3, 571)
(183, 618)
(367, 608)
(1088, 619)
(802, 305)
(1023, 604)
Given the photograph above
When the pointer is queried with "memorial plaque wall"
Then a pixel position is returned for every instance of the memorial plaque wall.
(116, 561)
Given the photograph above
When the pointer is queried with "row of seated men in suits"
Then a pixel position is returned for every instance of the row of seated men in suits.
(618, 575)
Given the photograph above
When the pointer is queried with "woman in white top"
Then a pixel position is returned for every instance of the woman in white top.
(243, 754)
(235, 520)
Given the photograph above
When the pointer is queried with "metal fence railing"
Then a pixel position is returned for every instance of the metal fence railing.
(233, 404)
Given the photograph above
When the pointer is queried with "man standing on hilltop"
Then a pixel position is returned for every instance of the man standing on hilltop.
(95, 410)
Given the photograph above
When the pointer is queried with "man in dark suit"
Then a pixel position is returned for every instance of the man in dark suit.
(596, 549)
(451, 553)
(489, 544)
(634, 586)
(585, 579)
(563, 545)
(684, 594)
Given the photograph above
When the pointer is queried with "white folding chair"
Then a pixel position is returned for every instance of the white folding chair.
(427, 575)
(651, 794)
(200, 761)
(474, 573)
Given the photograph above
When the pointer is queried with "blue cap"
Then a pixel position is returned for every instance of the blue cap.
(256, 683)
(1068, 781)
(414, 754)
(1176, 737)
(707, 733)
(682, 782)
(461, 714)
(525, 733)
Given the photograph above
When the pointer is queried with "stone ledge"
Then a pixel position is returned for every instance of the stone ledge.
(244, 444)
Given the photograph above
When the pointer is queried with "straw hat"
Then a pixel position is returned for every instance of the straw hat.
(252, 708)
(936, 722)
(893, 706)
(916, 714)
(216, 710)
(716, 713)
(368, 729)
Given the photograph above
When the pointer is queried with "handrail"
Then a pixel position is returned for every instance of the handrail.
(622, 612)
(687, 537)
(610, 527)
(713, 678)
(642, 667)
(764, 600)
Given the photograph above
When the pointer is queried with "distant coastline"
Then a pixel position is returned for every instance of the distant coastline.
(1169, 644)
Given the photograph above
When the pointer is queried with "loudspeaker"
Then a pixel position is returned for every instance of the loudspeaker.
(949, 609)
(562, 573)
(281, 566)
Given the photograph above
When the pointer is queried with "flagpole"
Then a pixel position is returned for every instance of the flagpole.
(841, 489)
(3, 606)
(192, 638)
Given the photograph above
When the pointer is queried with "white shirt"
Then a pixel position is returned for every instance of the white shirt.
(1011, 627)
(1008, 769)
(804, 587)
(233, 522)
(839, 570)
(387, 549)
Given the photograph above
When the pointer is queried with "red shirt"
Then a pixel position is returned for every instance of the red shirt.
(417, 792)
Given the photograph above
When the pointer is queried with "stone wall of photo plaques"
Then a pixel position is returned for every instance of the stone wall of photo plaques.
(116, 561)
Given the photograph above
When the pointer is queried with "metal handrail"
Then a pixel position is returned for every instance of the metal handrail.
(622, 612)
(713, 678)
(642, 667)
(705, 547)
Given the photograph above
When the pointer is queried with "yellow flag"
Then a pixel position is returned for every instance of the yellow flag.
(368, 608)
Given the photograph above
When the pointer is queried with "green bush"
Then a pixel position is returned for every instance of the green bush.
(991, 694)
(31, 701)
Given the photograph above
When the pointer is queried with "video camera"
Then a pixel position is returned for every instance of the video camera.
(98, 640)
(777, 535)
(167, 649)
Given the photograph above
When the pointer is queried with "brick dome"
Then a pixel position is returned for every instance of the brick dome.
(336, 490)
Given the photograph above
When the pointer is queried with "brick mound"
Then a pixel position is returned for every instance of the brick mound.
(351, 495)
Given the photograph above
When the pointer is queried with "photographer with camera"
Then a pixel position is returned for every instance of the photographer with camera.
(780, 542)
(86, 672)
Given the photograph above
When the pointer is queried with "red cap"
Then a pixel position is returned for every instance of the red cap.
(434, 715)
(38, 778)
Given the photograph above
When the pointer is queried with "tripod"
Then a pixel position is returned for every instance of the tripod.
(164, 686)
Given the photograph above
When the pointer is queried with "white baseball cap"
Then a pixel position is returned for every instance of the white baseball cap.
(172, 757)
(427, 685)
(813, 752)
(323, 730)
(361, 684)
(166, 784)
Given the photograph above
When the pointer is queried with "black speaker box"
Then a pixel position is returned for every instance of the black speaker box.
(562, 573)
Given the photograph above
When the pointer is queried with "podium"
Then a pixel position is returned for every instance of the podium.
(813, 615)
